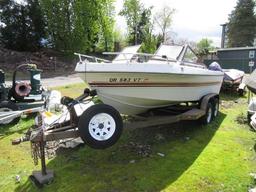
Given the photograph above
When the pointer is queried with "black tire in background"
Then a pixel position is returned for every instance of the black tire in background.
(98, 120)
(6, 106)
(215, 107)
(242, 92)
(207, 118)
(249, 117)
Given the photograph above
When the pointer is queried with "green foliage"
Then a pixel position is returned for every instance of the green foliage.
(71, 25)
(106, 21)
(204, 46)
(150, 41)
(23, 26)
(118, 36)
(242, 24)
(145, 25)
(137, 18)
(78, 25)
(140, 25)
(119, 40)
(132, 12)
(58, 15)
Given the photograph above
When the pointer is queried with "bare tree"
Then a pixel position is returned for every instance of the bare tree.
(183, 41)
(163, 19)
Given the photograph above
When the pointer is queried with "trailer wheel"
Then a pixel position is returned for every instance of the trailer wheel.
(249, 117)
(215, 107)
(7, 106)
(100, 126)
(241, 92)
(207, 118)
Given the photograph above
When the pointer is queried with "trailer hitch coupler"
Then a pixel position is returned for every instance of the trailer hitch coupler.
(19, 140)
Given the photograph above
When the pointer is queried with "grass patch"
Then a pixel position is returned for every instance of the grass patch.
(217, 157)
(73, 90)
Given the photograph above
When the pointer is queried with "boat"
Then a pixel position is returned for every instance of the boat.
(233, 76)
(251, 111)
(251, 82)
(233, 81)
(135, 82)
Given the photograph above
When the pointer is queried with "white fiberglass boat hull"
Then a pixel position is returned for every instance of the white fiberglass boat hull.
(136, 88)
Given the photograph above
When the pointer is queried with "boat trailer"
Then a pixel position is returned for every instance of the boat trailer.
(95, 125)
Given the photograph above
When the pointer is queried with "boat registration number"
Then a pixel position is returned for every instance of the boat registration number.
(126, 80)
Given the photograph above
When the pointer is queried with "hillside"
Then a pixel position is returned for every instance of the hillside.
(51, 62)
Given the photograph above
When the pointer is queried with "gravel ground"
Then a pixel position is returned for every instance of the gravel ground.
(58, 81)
(61, 80)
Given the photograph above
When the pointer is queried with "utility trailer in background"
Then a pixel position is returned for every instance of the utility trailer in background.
(21, 97)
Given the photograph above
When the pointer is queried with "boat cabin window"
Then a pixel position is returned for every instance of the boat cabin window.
(168, 51)
(190, 56)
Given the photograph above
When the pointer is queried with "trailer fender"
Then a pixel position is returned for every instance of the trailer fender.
(210, 105)
(206, 99)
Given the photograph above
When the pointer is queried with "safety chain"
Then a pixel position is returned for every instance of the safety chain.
(35, 145)
(35, 152)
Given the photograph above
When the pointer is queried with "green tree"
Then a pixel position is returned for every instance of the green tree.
(23, 27)
(106, 13)
(119, 40)
(204, 46)
(145, 26)
(78, 25)
(137, 18)
(59, 17)
(150, 40)
(163, 19)
(242, 24)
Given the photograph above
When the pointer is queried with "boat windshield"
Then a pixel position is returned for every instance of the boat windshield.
(170, 51)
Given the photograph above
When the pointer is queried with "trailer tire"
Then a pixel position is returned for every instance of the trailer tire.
(241, 92)
(215, 107)
(6, 106)
(249, 117)
(207, 118)
(100, 126)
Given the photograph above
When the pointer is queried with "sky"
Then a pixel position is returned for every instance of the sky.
(193, 20)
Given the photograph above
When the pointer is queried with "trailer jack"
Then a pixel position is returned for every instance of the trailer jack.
(43, 176)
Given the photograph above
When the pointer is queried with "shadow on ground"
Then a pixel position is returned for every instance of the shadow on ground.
(230, 96)
(123, 168)
(6, 130)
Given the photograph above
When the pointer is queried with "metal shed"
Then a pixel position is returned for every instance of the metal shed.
(235, 58)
